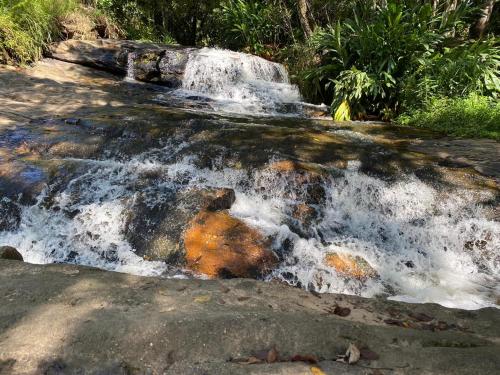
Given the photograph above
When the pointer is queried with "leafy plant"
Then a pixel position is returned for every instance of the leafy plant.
(385, 59)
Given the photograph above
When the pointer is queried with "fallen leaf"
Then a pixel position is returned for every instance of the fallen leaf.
(352, 354)
(272, 356)
(317, 371)
(342, 311)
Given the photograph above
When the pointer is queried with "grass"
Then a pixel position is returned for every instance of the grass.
(474, 116)
(28, 26)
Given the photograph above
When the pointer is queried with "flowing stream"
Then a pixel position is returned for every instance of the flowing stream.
(426, 242)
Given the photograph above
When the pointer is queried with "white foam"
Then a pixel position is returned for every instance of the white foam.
(425, 244)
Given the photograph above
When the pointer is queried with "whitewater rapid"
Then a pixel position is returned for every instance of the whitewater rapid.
(413, 234)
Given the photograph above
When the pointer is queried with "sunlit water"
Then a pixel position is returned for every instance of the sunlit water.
(414, 235)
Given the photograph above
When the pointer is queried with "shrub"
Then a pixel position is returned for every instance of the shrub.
(472, 116)
(385, 60)
(28, 26)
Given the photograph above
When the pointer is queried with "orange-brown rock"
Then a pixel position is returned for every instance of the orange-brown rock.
(219, 245)
(350, 266)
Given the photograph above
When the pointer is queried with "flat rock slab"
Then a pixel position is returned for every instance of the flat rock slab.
(62, 319)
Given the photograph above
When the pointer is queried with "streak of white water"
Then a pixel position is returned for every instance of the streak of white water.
(425, 244)
(131, 67)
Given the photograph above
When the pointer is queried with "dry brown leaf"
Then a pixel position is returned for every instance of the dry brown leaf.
(272, 356)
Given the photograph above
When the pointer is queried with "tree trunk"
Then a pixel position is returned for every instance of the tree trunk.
(304, 17)
(479, 26)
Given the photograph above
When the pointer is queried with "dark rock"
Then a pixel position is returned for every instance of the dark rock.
(10, 215)
(146, 66)
(10, 253)
(154, 63)
(155, 229)
(172, 66)
(222, 199)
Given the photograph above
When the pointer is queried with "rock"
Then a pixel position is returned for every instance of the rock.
(219, 245)
(172, 66)
(350, 266)
(10, 253)
(161, 64)
(146, 66)
(221, 199)
(305, 214)
(302, 175)
(10, 215)
(155, 229)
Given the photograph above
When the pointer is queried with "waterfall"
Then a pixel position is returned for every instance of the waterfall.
(414, 235)
(238, 82)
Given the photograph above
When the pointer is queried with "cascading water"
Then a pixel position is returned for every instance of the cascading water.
(238, 83)
(130, 66)
(425, 245)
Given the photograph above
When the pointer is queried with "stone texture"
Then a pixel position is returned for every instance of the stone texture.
(160, 64)
(10, 253)
(219, 245)
(75, 320)
(350, 266)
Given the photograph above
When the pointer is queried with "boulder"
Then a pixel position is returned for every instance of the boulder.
(161, 64)
(10, 215)
(350, 266)
(155, 229)
(10, 253)
(219, 245)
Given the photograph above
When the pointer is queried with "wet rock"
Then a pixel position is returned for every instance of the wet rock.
(10, 253)
(10, 215)
(155, 229)
(221, 199)
(304, 177)
(171, 66)
(350, 266)
(219, 245)
(304, 213)
(146, 66)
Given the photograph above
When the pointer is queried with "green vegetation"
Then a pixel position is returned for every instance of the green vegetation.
(386, 59)
(27, 26)
(472, 116)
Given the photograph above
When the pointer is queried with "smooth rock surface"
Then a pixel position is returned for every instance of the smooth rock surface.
(73, 320)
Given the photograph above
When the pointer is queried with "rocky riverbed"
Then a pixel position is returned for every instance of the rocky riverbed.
(127, 176)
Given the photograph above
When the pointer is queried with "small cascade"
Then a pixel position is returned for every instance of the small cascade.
(238, 82)
(131, 66)
(425, 246)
